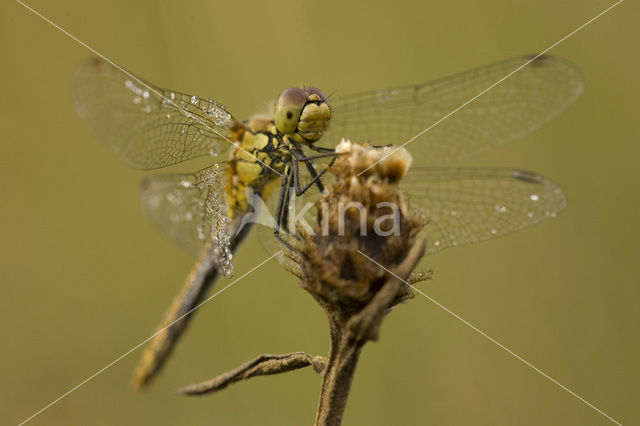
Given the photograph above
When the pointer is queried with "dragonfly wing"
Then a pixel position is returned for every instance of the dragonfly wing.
(467, 205)
(511, 109)
(191, 209)
(148, 127)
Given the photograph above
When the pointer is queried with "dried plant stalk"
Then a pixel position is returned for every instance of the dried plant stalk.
(340, 266)
(262, 365)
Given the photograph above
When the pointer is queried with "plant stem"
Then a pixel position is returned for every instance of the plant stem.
(337, 378)
(348, 338)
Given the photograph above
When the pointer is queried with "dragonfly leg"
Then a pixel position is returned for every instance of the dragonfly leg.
(321, 149)
(313, 157)
(296, 178)
(282, 210)
(316, 176)
(298, 157)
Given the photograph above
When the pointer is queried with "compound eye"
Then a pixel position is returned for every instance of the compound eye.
(288, 109)
(315, 94)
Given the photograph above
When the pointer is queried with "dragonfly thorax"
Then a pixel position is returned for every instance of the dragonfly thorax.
(260, 154)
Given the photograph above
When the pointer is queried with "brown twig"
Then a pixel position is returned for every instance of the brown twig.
(262, 365)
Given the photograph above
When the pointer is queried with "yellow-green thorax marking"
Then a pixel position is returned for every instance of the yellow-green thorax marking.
(263, 143)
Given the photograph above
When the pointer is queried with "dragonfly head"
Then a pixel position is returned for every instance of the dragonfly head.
(303, 112)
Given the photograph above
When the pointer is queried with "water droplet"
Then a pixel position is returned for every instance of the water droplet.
(529, 214)
(534, 197)
(145, 94)
(436, 243)
(137, 100)
(493, 232)
(500, 208)
(172, 96)
(194, 99)
(147, 108)
(454, 213)
(168, 115)
(383, 96)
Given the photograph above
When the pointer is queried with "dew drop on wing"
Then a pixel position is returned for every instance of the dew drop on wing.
(383, 96)
(130, 85)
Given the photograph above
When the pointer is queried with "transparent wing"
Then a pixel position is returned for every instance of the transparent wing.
(191, 210)
(146, 126)
(467, 205)
(510, 110)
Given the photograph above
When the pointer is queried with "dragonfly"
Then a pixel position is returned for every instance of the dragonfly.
(291, 146)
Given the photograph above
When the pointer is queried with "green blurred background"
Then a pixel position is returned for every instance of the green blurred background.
(85, 278)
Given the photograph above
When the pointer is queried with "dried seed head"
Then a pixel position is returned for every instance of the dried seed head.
(362, 211)
(389, 162)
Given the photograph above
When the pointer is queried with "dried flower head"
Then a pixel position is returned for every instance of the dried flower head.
(363, 211)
